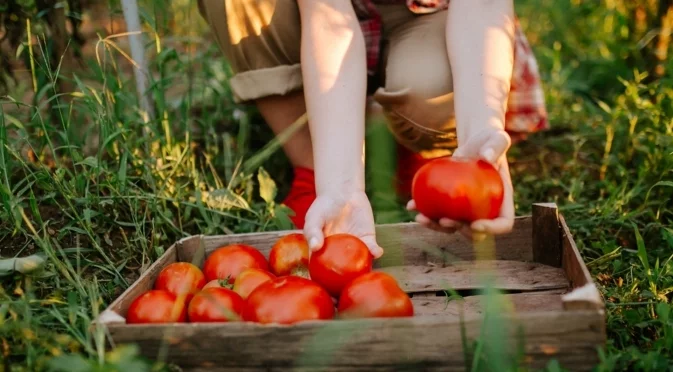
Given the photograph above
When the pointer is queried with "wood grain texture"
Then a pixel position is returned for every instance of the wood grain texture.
(546, 234)
(418, 343)
(473, 306)
(403, 244)
(462, 275)
(586, 294)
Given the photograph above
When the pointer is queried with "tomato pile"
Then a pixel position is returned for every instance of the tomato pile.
(237, 283)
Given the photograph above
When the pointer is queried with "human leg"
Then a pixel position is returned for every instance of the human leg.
(261, 41)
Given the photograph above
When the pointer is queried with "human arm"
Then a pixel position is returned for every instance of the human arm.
(334, 73)
(479, 37)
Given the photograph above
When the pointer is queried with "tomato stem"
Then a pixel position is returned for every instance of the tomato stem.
(226, 283)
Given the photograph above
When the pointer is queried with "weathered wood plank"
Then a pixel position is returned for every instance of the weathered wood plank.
(584, 294)
(418, 343)
(546, 234)
(472, 306)
(413, 244)
(404, 244)
(461, 275)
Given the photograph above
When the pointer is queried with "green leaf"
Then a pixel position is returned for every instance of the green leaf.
(642, 252)
(663, 183)
(554, 366)
(282, 217)
(663, 311)
(226, 199)
(88, 214)
(604, 106)
(121, 174)
(90, 161)
(267, 187)
(76, 229)
(14, 121)
(69, 363)
(660, 183)
(127, 358)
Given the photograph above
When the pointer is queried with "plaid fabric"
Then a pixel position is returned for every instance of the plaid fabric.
(526, 111)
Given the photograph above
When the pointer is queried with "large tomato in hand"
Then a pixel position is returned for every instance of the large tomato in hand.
(342, 258)
(227, 262)
(216, 305)
(458, 189)
(157, 306)
(288, 300)
(181, 278)
(374, 295)
(289, 255)
(249, 279)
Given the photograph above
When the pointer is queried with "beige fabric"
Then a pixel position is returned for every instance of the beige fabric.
(261, 40)
(417, 98)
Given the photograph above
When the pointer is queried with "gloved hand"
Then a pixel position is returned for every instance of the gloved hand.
(341, 213)
(491, 145)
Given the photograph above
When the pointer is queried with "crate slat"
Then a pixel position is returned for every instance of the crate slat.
(546, 234)
(466, 275)
(472, 305)
(585, 294)
(365, 345)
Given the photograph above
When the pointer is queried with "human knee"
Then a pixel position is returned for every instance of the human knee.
(417, 98)
(420, 111)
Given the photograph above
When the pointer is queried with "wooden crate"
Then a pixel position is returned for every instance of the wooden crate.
(557, 307)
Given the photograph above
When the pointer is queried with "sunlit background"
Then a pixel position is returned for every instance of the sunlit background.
(87, 184)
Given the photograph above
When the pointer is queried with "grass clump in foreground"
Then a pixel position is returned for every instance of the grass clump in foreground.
(97, 193)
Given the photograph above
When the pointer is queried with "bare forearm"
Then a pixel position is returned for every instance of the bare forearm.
(334, 72)
(480, 37)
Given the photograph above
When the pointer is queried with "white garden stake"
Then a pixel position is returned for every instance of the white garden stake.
(140, 70)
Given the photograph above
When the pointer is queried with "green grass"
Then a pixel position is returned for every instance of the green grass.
(88, 186)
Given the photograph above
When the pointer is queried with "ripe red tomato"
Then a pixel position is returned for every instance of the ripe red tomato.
(289, 255)
(288, 300)
(216, 305)
(249, 279)
(374, 295)
(342, 258)
(181, 278)
(227, 262)
(157, 306)
(458, 189)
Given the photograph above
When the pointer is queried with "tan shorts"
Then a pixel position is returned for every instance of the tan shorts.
(261, 41)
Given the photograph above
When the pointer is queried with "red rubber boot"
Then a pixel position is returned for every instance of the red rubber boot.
(301, 196)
